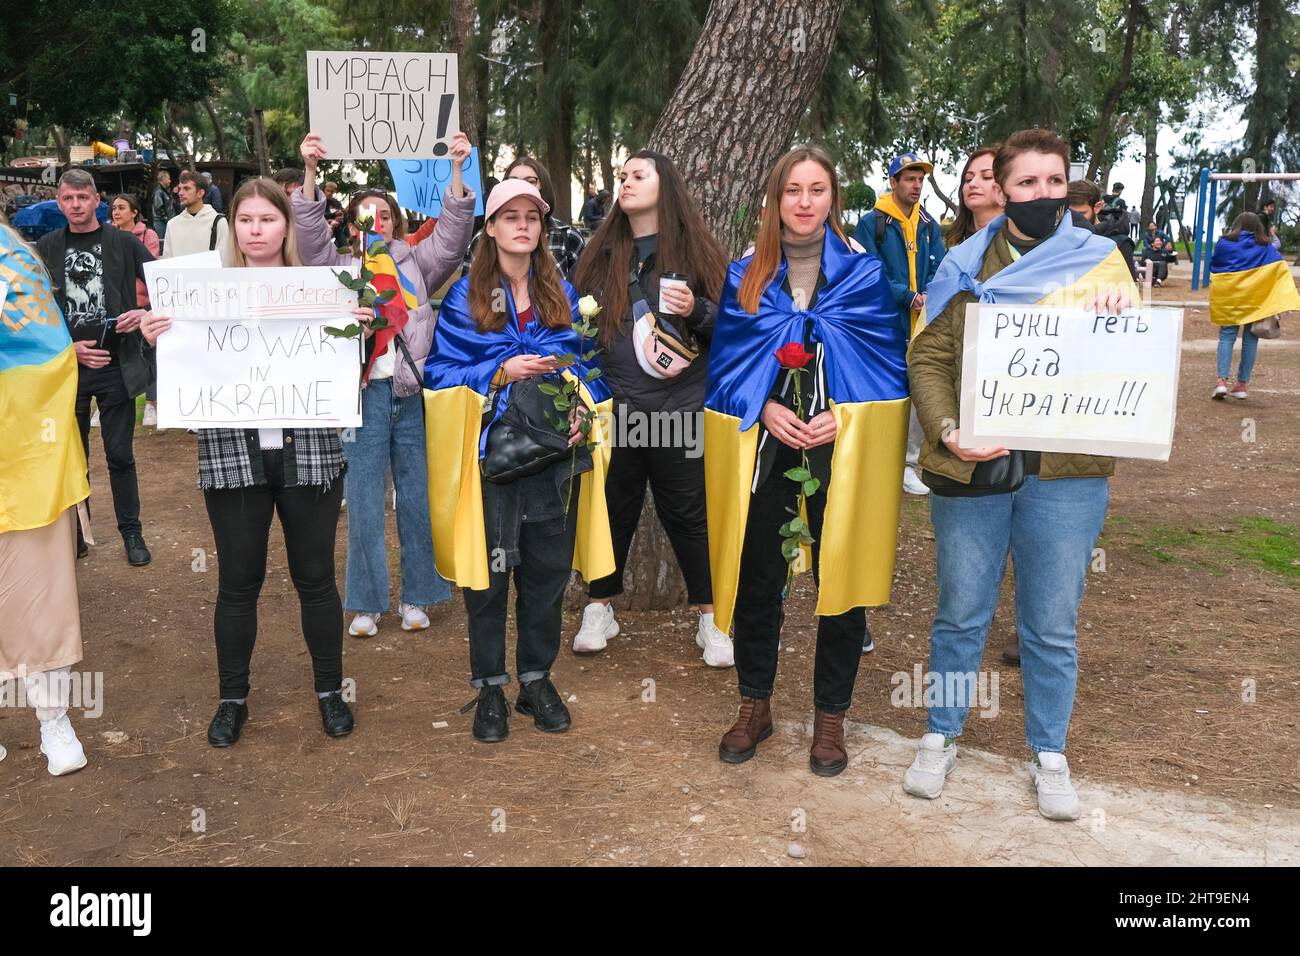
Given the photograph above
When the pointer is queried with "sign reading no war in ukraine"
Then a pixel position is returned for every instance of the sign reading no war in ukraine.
(248, 348)
(1066, 380)
(369, 105)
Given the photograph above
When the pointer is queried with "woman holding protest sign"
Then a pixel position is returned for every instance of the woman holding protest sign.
(391, 436)
(654, 247)
(1250, 286)
(512, 386)
(1045, 510)
(805, 428)
(247, 476)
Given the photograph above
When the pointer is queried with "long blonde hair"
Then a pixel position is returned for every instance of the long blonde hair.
(269, 190)
(767, 249)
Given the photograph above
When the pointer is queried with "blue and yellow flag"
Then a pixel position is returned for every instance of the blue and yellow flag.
(43, 466)
(395, 310)
(1249, 282)
(855, 320)
(457, 377)
(1069, 269)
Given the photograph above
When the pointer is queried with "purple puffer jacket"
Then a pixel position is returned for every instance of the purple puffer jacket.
(427, 266)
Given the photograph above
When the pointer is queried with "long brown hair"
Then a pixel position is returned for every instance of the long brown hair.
(962, 226)
(767, 248)
(685, 245)
(1248, 223)
(546, 292)
(269, 190)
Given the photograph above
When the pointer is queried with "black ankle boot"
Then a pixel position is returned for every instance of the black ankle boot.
(541, 701)
(228, 723)
(335, 715)
(491, 724)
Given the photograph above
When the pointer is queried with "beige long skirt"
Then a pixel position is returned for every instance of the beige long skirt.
(40, 619)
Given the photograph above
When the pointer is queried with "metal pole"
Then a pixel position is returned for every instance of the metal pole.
(1200, 222)
(1209, 230)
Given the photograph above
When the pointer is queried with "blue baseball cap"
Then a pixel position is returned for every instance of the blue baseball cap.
(905, 160)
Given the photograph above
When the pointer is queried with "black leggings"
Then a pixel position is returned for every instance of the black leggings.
(677, 482)
(241, 526)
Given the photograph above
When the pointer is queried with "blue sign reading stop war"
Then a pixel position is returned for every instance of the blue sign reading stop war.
(420, 182)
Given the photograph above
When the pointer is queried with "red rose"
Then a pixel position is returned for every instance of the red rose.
(793, 355)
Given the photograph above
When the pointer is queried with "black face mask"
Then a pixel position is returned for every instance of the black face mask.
(1037, 218)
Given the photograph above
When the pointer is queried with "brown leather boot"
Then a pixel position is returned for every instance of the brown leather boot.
(828, 756)
(753, 725)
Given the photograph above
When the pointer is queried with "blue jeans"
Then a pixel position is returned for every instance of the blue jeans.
(1049, 529)
(392, 433)
(1249, 345)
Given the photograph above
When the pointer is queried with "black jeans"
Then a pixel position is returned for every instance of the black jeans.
(1159, 268)
(759, 607)
(678, 486)
(117, 428)
(543, 571)
(241, 526)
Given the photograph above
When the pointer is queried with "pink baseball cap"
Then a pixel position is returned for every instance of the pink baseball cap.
(509, 189)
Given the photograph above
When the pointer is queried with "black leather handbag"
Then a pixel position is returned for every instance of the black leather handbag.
(522, 442)
(999, 476)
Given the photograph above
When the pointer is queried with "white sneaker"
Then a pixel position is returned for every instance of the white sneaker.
(718, 649)
(150, 414)
(598, 626)
(365, 625)
(94, 417)
(933, 762)
(61, 747)
(413, 618)
(1057, 799)
(913, 484)
(3, 753)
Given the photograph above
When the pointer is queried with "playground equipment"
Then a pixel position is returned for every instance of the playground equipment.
(1207, 196)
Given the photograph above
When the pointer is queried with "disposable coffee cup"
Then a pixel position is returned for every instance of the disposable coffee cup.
(668, 280)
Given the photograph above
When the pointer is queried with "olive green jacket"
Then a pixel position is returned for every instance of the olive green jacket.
(934, 368)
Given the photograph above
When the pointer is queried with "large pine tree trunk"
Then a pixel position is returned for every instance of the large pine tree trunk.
(750, 78)
(463, 13)
(1134, 21)
(1152, 123)
(749, 81)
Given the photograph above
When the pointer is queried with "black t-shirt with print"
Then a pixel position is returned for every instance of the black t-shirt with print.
(83, 265)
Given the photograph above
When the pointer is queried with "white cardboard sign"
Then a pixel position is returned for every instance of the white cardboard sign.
(1066, 380)
(247, 348)
(370, 105)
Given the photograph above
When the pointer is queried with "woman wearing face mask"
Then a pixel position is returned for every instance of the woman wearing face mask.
(1047, 523)
(391, 436)
(499, 342)
(804, 289)
(978, 199)
(247, 476)
(655, 232)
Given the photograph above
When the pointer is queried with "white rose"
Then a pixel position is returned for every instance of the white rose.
(588, 308)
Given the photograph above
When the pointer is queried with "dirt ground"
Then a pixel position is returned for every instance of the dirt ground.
(1184, 738)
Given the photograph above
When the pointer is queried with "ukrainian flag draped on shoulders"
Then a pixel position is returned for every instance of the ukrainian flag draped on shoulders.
(1070, 268)
(457, 378)
(855, 320)
(1249, 282)
(43, 467)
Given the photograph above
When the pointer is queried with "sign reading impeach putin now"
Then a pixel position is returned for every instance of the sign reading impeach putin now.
(248, 348)
(369, 105)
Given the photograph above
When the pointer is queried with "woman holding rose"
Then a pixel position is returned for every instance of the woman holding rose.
(805, 427)
(508, 338)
